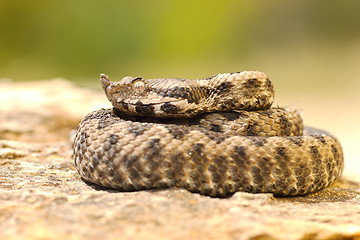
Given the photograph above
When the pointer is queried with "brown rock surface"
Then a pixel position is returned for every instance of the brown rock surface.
(42, 196)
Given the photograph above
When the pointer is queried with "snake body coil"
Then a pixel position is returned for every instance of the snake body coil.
(213, 136)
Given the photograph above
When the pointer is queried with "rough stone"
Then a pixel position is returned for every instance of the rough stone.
(44, 111)
(43, 197)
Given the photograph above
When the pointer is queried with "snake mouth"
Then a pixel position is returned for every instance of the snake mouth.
(152, 102)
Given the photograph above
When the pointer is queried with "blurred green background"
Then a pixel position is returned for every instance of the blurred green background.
(310, 49)
(298, 42)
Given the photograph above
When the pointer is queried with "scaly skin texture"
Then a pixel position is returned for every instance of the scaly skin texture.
(172, 97)
(215, 154)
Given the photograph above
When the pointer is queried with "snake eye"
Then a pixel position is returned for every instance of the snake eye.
(138, 85)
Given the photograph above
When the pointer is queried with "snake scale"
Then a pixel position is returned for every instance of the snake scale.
(213, 136)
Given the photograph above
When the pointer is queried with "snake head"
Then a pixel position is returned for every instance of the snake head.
(125, 93)
(151, 97)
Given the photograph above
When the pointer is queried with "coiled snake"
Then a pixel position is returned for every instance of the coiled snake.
(213, 136)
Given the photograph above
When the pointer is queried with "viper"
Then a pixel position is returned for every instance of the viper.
(214, 136)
